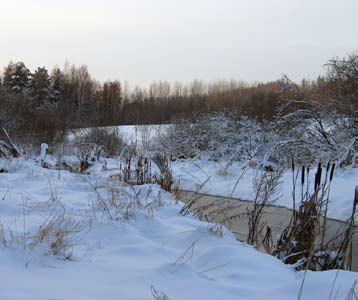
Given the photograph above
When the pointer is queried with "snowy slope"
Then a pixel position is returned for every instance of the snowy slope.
(151, 246)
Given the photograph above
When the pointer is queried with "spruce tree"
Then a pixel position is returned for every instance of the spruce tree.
(16, 77)
(40, 87)
(57, 85)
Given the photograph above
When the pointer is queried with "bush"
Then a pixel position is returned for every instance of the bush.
(313, 129)
(109, 138)
(184, 139)
(219, 136)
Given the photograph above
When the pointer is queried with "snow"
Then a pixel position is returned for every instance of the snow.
(152, 246)
(43, 154)
(193, 173)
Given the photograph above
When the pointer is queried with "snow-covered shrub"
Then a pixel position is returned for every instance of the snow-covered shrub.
(241, 138)
(219, 136)
(312, 129)
(4, 149)
(307, 129)
(145, 134)
(185, 139)
(9, 165)
(110, 138)
(7, 146)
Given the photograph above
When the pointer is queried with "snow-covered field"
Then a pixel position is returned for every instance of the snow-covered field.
(131, 243)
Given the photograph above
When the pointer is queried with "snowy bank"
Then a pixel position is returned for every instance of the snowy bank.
(151, 249)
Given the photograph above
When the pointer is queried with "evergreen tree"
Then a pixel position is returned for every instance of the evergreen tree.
(16, 77)
(40, 87)
(58, 83)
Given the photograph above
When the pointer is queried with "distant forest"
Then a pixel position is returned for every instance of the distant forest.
(48, 102)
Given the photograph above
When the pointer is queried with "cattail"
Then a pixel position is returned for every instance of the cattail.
(293, 164)
(319, 174)
(317, 181)
(303, 175)
(319, 166)
(332, 173)
(328, 166)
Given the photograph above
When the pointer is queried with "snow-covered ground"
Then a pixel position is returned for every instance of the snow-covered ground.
(130, 243)
(193, 173)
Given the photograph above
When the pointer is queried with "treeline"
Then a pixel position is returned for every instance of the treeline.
(45, 103)
(79, 100)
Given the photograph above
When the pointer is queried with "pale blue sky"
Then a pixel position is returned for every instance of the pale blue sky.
(145, 40)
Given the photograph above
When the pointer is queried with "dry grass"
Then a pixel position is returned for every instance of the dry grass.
(55, 236)
(165, 179)
(353, 292)
(224, 171)
(158, 295)
(266, 186)
(137, 170)
(3, 238)
(117, 202)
